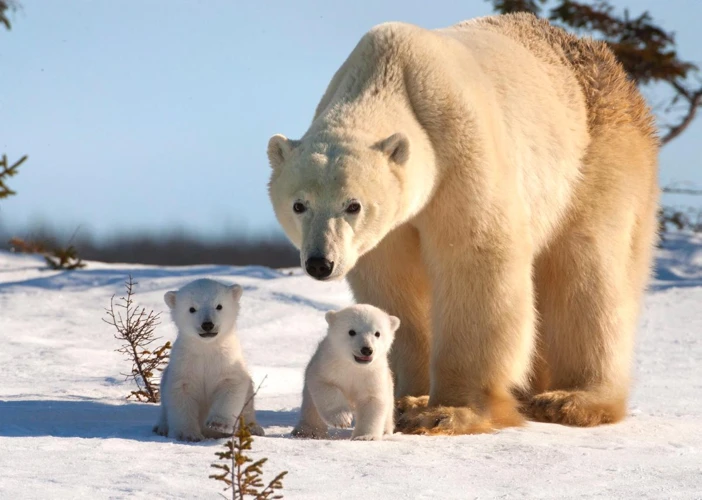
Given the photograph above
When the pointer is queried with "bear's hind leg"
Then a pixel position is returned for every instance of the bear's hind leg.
(589, 291)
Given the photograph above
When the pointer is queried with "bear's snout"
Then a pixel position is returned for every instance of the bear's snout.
(366, 351)
(319, 267)
(207, 326)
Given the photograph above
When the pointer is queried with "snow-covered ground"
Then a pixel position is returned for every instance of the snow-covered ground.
(66, 430)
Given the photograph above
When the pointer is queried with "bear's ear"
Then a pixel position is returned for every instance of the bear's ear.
(237, 291)
(330, 317)
(170, 299)
(397, 148)
(279, 148)
(394, 323)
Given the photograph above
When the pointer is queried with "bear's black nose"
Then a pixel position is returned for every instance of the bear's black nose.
(366, 351)
(319, 267)
(207, 326)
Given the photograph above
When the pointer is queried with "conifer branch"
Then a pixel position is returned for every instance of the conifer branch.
(6, 171)
(136, 329)
(245, 480)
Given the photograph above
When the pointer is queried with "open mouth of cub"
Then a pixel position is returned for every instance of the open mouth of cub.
(208, 335)
(363, 359)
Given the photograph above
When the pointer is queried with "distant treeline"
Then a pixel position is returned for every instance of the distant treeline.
(179, 249)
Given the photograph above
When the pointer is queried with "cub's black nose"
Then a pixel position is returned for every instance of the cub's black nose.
(207, 326)
(366, 351)
(319, 267)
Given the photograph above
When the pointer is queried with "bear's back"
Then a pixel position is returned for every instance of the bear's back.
(611, 97)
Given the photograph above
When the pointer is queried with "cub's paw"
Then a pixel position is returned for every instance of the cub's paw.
(256, 430)
(341, 419)
(366, 437)
(220, 424)
(303, 432)
(187, 436)
(160, 429)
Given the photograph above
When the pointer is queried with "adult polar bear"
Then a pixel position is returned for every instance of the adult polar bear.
(493, 184)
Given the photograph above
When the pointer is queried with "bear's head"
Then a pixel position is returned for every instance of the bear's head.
(361, 332)
(205, 309)
(337, 196)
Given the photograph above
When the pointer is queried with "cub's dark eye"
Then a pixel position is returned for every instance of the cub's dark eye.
(377, 334)
(192, 309)
(219, 307)
(353, 208)
(352, 332)
(299, 208)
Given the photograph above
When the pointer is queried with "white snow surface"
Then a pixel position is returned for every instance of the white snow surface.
(66, 430)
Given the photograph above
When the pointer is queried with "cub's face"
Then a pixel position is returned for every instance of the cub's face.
(337, 198)
(361, 333)
(205, 309)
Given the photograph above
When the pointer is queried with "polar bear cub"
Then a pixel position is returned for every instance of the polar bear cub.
(206, 383)
(349, 375)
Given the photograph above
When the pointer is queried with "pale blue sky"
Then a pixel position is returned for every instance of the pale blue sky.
(152, 115)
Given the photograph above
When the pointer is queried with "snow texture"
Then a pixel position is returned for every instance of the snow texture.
(66, 430)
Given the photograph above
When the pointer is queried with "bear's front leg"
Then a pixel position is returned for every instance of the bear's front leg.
(371, 419)
(227, 403)
(483, 316)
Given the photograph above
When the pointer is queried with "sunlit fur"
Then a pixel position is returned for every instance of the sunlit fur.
(511, 232)
(206, 383)
(337, 386)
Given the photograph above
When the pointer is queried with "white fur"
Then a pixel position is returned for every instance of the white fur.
(206, 383)
(501, 171)
(337, 386)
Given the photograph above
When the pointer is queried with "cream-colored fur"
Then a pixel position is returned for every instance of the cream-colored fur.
(506, 177)
(349, 375)
(206, 384)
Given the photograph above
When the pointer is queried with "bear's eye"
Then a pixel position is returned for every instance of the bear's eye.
(352, 332)
(299, 207)
(192, 309)
(219, 307)
(353, 208)
(377, 334)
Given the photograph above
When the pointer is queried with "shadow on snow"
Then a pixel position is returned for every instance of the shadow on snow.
(95, 419)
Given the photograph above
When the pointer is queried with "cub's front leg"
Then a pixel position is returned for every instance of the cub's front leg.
(371, 419)
(311, 424)
(227, 403)
(331, 404)
(183, 414)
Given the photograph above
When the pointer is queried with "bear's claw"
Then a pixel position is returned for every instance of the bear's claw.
(414, 416)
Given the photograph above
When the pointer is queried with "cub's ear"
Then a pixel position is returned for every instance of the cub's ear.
(170, 299)
(394, 323)
(396, 147)
(237, 291)
(279, 148)
(330, 317)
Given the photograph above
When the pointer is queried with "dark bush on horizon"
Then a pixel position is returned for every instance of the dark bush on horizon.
(171, 249)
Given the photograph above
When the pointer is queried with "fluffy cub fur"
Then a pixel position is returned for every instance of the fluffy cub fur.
(206, 384)
(349, 374)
